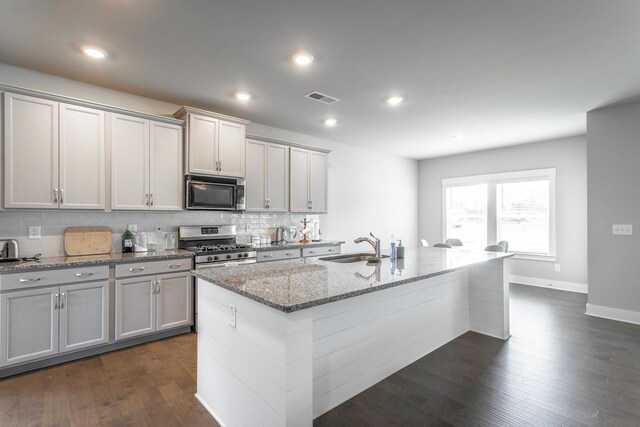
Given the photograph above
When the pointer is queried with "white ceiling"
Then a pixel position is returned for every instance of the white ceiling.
(502, 72)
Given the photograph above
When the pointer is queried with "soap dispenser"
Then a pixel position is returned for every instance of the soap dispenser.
(400, 250)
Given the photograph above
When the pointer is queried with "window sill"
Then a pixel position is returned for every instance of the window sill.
(534, 257)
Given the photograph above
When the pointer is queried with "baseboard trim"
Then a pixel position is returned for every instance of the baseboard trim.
(611, 313)
(209, 410)
(560, 285)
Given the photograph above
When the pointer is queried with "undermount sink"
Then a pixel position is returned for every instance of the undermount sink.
(348, 258)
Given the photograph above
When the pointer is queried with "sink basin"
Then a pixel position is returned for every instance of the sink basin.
(348, 258)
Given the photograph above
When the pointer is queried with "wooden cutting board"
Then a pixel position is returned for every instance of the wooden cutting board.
(87, 240)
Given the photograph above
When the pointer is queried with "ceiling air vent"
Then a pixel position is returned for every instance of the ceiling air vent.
(321, 97)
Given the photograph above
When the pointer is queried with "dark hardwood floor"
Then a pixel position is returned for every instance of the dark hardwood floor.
(559, 368)
(149, 385)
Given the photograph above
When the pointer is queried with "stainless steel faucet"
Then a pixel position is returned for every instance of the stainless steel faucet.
(375, 242)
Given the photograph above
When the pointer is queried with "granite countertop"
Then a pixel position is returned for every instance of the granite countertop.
(296, 284)
(297, 245)
(75, 261)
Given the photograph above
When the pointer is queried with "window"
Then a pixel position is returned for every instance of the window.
(518, 207)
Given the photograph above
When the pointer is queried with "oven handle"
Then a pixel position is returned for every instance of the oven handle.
(224, 264)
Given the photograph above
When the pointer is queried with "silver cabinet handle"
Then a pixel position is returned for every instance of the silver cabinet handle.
(312, 252)
(61, 196)
(146, 196)
(31, 279)
(289, 254)
(56, 301)
(175, 265)
(152, 201)
(330, 250)
(136, 269)
(62, 300)
(89, 274)
(220, 165)
(55, 195)
(157, 287)
(267, 256)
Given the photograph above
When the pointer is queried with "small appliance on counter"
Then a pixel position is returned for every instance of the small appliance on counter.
(9, 250)
(289, 234)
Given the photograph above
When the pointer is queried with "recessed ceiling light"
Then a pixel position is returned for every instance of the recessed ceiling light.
(331, 122)
(303, 58)
(243, 96)
(94, 52)
(395, 100)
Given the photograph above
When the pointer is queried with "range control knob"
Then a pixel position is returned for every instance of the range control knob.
(210, 258)
(239, 255)
(228, 256)
(246, 255)
(215, 258)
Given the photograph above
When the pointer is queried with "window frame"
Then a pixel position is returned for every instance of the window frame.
(492, 180)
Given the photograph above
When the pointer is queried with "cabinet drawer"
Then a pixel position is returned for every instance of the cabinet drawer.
(324, 250)
(152, 267)
(32, 279)
(278, 255)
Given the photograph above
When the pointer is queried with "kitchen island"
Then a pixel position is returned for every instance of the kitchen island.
(281, 343)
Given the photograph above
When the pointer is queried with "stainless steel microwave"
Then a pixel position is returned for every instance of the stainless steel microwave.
(214, 193)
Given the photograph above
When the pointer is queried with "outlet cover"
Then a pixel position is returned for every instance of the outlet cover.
(35, 232)
(232, 316)
(623, 229)
(556, 268)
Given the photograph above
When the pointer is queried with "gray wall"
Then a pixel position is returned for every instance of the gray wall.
(613, 153)
(568, 156)
(362, 198)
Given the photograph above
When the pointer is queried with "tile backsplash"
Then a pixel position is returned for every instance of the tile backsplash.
(15, 225)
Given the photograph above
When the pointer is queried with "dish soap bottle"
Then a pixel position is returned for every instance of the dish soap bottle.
(400, 250)
(392, 249)
(127, 241)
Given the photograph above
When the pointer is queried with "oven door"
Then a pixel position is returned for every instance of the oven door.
(211, 196)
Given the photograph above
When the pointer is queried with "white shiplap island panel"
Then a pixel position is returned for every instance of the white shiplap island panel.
(285, 368)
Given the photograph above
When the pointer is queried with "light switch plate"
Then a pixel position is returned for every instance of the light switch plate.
(623, 229)
(232, 316)
(35, 232)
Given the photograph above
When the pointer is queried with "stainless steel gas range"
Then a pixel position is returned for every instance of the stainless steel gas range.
(215, 246)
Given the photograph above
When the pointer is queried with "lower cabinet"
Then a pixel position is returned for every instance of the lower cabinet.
(39, 323)
(152, 303)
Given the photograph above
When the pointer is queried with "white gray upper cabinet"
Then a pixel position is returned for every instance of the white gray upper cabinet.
(146, 164)
(165, 167)
(30, 152)
(308, 177)
(215, 143)
(54, 154)
(267, 176)
(82, 158)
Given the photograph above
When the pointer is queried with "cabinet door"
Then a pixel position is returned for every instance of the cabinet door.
(202, 143)
(82, 158)
(135, 307)
(28, 325)
(30, 152)
(129, 163)
(255, 187)
(84, 315)
(166, 179)
(318, 181)
(175, 306)
(278, 178)
(231, 148)
(299, 180)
